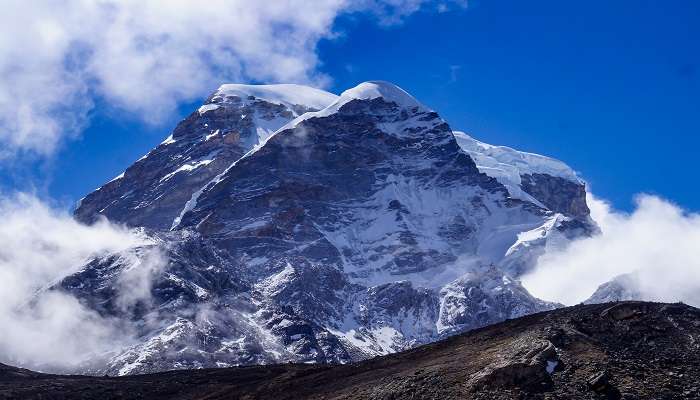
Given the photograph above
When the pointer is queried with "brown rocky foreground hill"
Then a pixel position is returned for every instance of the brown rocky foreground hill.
(627, 350)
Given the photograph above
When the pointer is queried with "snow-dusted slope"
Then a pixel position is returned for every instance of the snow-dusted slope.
(325, 234)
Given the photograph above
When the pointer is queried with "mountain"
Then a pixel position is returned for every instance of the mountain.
(622, 287)
(628, 350)
(291, 224)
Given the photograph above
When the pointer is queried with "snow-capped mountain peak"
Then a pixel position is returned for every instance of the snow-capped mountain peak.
(319, 228)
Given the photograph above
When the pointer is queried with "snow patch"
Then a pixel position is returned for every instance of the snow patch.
(190, 166)
(211, 135)
(531, 237)
(207, 107)
(116, 178)
(167, 141)
(277, 282)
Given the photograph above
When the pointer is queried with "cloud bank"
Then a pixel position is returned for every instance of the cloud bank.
(51, 330)
(658, 242)
(57, 58)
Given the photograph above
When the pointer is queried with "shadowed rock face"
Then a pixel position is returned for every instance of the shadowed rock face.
(557, 194)
(356, 231)
(629, 350)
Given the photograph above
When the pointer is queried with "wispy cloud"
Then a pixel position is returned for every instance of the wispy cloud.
(454, 70)
(658, 242)
(52, 329)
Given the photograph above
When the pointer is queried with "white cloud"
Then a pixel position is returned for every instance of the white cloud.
(51, 329)
(390, 12)
(146, 57)
(659, 242)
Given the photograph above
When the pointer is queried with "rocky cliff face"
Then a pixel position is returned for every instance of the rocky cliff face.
(557, 194)
(281, 233)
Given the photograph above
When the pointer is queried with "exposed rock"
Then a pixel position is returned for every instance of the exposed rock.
(522, 366)
(558, 194)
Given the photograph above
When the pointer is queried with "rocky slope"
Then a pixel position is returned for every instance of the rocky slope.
(628, 350)
(290, 224)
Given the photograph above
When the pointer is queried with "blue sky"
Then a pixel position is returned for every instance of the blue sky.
(611, 88)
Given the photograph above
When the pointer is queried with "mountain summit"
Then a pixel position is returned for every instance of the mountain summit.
(297, 225)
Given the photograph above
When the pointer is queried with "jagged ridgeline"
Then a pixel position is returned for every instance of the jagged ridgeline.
(297, 225)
